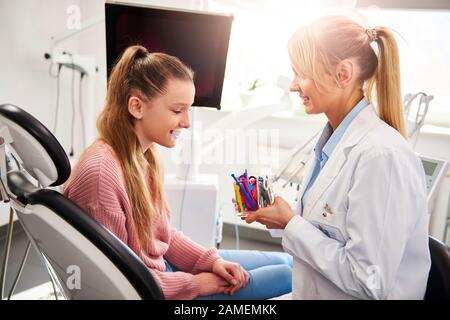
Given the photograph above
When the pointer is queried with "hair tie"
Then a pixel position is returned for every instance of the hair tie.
(372, 33)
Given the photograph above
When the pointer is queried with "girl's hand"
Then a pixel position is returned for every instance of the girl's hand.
(276, 216)
(210, 283)
(233, 273)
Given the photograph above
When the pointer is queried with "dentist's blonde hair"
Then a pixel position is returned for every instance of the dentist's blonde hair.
(318, 48)
(146, 73)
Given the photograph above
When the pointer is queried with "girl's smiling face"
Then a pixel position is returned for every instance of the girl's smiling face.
(161, 119)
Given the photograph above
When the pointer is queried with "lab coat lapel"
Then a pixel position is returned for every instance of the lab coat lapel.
(324, 179)
(359, 127)
(308, 173)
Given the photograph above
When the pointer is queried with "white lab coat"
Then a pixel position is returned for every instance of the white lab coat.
(376, 220)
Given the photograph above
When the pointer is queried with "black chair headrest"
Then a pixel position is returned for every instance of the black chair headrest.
(40, 152)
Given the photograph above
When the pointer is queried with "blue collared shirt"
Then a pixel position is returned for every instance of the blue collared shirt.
(329, 140)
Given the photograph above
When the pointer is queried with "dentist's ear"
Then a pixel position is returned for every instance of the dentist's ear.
(344, 73)
(135, 107)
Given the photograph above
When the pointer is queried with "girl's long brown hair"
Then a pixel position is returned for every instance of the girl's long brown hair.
(147, 73)
(329, 40)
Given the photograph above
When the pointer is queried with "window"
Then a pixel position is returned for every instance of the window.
(424, 54)
(261, 29)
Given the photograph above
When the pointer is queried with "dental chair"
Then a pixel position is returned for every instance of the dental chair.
(83, 258)
(438, 286)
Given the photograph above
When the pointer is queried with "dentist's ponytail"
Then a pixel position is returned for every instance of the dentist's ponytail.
(386, 80)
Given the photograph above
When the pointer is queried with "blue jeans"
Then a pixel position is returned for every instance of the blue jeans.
(270, 274)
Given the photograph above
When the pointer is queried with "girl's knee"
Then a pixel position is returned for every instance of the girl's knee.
(283, 271)
(282, 277)
(276, 273)
(290, 260)
(282, 258)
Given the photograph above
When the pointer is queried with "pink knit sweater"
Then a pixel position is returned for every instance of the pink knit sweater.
(97, 185)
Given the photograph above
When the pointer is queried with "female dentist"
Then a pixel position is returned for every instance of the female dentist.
(360, 230)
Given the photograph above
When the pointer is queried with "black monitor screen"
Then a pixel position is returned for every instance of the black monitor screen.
(198, 39)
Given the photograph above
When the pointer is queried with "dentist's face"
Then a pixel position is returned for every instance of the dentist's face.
(315, 100)
(166, 115)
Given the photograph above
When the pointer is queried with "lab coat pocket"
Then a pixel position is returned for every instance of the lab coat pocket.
(330, 231)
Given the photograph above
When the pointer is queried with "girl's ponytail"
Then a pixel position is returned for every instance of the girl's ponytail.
(118, 83)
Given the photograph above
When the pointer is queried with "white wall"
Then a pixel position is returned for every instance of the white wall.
(25, 30)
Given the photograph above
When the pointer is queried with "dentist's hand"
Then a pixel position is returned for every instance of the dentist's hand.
(276, 216)
(233, 273)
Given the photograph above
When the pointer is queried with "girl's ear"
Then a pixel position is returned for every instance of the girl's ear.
(135, 107)
(344, 73)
